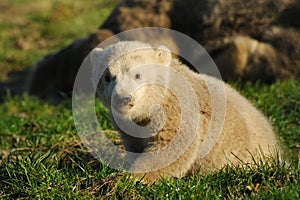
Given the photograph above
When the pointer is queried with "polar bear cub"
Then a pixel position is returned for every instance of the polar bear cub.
(175, 120)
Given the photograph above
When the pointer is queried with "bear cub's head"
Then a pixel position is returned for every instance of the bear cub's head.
(131, 78)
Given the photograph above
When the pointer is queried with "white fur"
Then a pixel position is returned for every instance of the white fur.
(243, 131)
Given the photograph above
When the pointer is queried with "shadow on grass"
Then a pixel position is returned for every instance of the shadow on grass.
(16, 83)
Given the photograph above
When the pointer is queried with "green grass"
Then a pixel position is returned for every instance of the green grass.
(33, 28)
(41, 155)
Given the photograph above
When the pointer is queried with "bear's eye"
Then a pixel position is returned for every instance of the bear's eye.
(138, 76)
(106, 78)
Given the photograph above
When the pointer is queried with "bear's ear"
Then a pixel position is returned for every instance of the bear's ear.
(95, 59)
(164, 55)
(95, 56)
